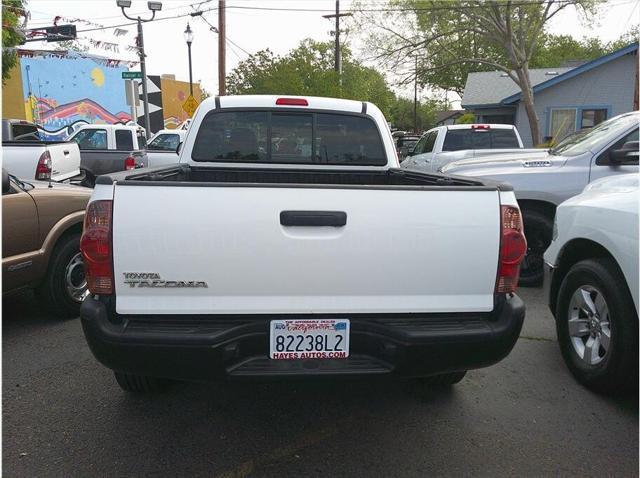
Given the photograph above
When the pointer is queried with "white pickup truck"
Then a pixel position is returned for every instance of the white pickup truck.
(444, 144)
(281, 246)
(107, 148)
(26, 156)
(162, 148)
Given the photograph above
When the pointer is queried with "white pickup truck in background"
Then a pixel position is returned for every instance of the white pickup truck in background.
(281, 246)
(162, 148)
(26, 156)
(107, 148)
(445, 144)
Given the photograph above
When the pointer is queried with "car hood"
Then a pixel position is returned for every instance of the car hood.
(533, 160)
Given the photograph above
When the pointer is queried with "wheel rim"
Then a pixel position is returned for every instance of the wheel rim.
(75, 280)
(589, 325)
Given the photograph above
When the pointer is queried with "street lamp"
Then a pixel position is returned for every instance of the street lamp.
(188, 36)
(153, 7)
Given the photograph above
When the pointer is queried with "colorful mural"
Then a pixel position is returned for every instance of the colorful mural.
(60, 91)
(174, 93)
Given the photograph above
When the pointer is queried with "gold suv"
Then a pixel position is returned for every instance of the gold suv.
(41, 228)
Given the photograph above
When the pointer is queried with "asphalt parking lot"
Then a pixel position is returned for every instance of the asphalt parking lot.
(64, 415)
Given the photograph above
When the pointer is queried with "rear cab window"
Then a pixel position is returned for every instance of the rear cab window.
(26, 132)
(124, 140)
(289, 137)
(460, 139)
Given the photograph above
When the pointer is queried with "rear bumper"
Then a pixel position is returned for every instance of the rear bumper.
(210, 347)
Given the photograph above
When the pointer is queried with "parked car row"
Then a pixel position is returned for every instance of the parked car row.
(91, 150)
(542, 182)
(347, 286)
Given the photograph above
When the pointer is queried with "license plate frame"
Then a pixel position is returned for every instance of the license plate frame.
(329, 346)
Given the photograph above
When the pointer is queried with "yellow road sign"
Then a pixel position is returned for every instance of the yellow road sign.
(190, 105)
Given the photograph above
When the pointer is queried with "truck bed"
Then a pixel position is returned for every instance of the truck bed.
(185, 175)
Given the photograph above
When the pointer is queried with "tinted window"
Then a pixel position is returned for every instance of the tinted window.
(291, 138)
(348, 139)
(124, 140)
(603, 159)
(430, 142)
(165, 142)
(25, 132)
(459, 139)
(142, 139)
(235, 136)
(91, 139)
(288, 138)
(504, 138)
(419, 149)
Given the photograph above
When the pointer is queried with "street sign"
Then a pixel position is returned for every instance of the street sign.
(190, 105)
(131, 75)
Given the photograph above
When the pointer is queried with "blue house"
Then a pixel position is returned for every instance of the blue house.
(566, 99)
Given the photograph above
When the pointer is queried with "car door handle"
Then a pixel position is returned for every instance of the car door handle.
(313, 218)
(66, 153)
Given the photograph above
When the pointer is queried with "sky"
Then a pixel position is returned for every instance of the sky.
(248, 29)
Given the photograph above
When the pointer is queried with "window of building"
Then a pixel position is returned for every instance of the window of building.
(563, 123)
(592, 117)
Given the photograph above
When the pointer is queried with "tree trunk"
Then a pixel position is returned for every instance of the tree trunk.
(527, 101)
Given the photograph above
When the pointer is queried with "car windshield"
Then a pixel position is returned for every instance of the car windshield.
(585, 140)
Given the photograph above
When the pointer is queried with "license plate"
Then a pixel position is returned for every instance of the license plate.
(309, 339)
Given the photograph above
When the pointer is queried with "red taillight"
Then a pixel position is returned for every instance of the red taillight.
(95, 246)
(480, 126)
(513, 247)
(129, 163)
(43, 169)
(292, 102)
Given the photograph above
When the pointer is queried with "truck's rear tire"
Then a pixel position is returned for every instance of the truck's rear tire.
(64, 287)
(538, 229)
(443, 380)
(140, 383)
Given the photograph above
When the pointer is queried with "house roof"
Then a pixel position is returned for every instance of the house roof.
(489, 88)
(445, 115)
(576, 71)
(495, 88)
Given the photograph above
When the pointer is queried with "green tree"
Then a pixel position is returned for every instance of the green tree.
(401, 114)
(308, 70)
(12, 13)
(488, 34)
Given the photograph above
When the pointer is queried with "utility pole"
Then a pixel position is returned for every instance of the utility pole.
(415, 97)
(153, 7)
(222, 41)
(337, 52)
(143, 70)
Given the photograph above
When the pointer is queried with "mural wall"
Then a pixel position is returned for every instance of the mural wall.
(174, 93)
(61, 91)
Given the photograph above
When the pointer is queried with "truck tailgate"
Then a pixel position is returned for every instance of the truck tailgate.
(65, 160)
(223, 250)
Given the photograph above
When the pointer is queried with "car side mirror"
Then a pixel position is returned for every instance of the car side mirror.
(629, 151)
(179, 147)
(6, 185)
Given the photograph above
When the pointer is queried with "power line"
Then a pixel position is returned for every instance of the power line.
(316, 10)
